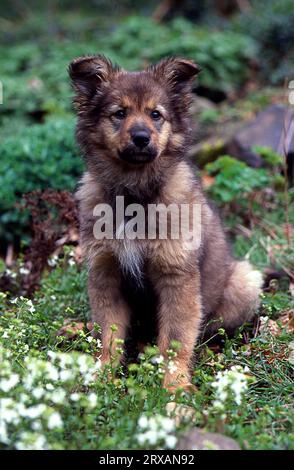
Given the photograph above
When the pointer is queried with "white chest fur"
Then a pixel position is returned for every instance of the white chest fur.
(131, 254)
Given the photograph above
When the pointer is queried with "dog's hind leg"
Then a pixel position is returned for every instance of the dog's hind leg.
(240, 300)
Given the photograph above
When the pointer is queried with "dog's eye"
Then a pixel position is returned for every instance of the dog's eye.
(120, 114)
(155, 114)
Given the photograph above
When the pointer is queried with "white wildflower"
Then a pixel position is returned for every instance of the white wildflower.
(149, 437)
(172, 367)
(38, 393)
(158, 359)
(75, 396)
(233, 382)
(83, 364)
(49, 387)
(10, 273)
(167, 424)
(36, 425)
(52, 355)
(58, 396)
(156, 430)
(55, 421)
(24, 271)
(8, 384)
(92, 400)
(9, 414)
(3, 432)
(170, 441)
(53, 261)
(65, 375)
(52, 372)
(31, 441)
(143, 422)
(30, 305)
(32, 412)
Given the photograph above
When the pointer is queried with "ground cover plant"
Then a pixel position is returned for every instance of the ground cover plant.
(40, 368)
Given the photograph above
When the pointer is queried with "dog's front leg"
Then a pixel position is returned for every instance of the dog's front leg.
(179, 318)
(108, 305)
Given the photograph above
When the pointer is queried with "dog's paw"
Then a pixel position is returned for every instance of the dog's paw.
(178, 384)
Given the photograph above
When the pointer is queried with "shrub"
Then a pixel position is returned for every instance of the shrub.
(271, 25)
(234, 179)
(39, 157)
(223, 55)
(35, 78)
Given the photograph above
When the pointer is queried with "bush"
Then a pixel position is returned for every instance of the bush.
(39, 157)
(222, 55)
(35, 78)
(234, 179)
(271, 25)
(243, 192)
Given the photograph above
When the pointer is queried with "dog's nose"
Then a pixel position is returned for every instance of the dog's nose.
(141, 138)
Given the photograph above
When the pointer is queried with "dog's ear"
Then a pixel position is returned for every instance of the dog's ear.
(89, 72)
(176, 72)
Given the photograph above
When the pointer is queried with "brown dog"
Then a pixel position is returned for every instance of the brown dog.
(133, 129)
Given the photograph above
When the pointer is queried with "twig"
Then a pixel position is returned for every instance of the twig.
(267, 229)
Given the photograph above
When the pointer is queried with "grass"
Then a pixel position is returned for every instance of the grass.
(105, 414)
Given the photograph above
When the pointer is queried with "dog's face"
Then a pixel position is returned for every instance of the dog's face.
(131, 116)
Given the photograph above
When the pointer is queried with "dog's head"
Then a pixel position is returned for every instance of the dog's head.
(132, 116)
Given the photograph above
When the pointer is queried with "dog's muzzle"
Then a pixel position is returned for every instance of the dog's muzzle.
(135, 155)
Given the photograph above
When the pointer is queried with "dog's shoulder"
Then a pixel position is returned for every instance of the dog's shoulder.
(89, 193)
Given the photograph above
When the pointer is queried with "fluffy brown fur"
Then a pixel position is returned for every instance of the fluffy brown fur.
(180, 291)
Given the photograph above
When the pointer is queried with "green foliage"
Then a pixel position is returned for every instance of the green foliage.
(271, 25)
(39, 157)
(234, 179)
(268, 155)
(221, 55)
(35, 76)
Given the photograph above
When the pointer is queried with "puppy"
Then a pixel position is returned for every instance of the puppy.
(133, 129)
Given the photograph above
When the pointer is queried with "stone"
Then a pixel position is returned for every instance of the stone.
(266, 130)
(207, 151)
(198, 439)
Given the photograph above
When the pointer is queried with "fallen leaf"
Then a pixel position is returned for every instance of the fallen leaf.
(207, 180)
(286, 319)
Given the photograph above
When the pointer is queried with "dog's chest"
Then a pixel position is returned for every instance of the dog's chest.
(131, 253)
(131, 249)
(132, 257)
